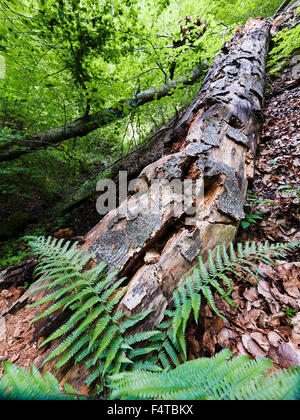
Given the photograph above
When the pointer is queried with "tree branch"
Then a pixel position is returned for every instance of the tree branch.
(282, 7)
(84, 125)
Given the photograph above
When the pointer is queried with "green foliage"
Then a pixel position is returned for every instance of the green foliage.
(214, 276)
(18, 384)
(252, 214)
(13, 252)
(290, 312)
(67, 58)
(251, 218)
(286, 42)
(95, 332)
(169, 350)
(237, 12)
(99, 335)
(293, 191)
(218, 378)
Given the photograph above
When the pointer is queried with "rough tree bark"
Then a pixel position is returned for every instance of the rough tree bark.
(18, 275)
(282, 7)
(216, 138)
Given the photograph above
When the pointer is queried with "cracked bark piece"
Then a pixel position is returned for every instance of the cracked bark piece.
(135, 297)
(145, 291)
(232, 200)
(237, 135)
(210, 134)
(210, 167)
(195, 149)
(192, 246)
(151, 257)
(113, 248)
(172, 169)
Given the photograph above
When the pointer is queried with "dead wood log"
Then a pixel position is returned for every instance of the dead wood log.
(216, 139)
(283, 6)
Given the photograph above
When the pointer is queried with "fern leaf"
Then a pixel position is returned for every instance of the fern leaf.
(216, 378)
(168, 347)
(71, 352)
(109, 335)
(196, 304)
(141, 336)
(114, 348)
(64, 328)
(62, 346)
(135, 319)
(177, 319)
(210, 299)
(101, 325)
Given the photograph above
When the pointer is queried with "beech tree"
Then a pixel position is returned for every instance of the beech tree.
(69, 63)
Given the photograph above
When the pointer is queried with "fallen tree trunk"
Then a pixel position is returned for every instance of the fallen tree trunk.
(216, 139)
(18, 275)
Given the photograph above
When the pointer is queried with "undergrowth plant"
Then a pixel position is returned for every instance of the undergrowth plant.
(95, 332)
(252, 215)
(217, 378)
(214, 277)
(101, 335)
(286, 42)
(18, 384)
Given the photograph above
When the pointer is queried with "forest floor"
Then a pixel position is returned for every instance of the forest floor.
(266, 321)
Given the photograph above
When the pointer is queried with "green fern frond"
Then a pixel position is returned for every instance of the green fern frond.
(207, 277)
(138, 337)
(95, 332)
(100, 334)
(19, 384)
(210, 378)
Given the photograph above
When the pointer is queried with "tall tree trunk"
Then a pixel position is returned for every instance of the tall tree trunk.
(216, 139)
